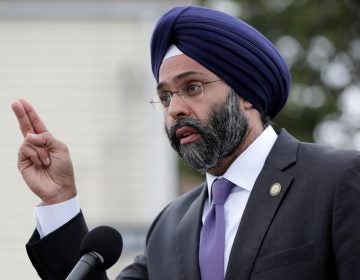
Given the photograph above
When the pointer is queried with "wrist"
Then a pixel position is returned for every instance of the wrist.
(60, 197)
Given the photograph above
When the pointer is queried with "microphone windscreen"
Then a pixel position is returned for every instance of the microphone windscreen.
(105, 241)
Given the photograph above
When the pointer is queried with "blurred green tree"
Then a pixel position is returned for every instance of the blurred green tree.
(321, 43)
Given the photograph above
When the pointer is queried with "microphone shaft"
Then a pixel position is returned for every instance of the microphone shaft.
(85, 266)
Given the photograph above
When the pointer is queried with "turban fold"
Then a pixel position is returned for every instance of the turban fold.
(233, 50)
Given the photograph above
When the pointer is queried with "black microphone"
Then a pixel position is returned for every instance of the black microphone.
(100, 249)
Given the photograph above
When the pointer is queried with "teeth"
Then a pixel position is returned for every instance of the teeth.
(186, 134)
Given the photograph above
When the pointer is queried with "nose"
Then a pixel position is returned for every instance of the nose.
(178, 107)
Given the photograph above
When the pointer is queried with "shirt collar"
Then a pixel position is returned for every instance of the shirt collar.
(245, 169)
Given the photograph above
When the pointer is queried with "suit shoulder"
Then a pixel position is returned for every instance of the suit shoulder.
(186, 199)
(326, 154)
(327, 164)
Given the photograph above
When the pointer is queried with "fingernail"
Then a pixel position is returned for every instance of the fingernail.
(47, 161)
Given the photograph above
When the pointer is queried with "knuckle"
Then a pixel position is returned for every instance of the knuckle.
(36, 119)
(65, 147)
(23, 150)
(47, 134)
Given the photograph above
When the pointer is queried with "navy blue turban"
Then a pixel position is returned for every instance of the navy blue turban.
(233, 50)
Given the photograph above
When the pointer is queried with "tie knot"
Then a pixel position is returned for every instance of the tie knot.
(220, 190)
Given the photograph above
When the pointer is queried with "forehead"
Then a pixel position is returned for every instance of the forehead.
(177, 67)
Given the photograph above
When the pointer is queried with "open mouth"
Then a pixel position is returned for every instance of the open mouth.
(187, 135)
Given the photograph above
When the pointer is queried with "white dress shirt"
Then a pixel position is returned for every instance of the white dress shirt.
(50, 217)
(243, 172)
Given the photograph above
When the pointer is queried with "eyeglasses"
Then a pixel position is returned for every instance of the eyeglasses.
(188, 92)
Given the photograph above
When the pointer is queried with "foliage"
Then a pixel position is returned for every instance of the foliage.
(321, 42)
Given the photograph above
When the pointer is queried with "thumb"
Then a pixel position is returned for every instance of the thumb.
(45, 140)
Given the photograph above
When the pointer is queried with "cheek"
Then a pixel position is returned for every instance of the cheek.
(204, 112)
(215, 99)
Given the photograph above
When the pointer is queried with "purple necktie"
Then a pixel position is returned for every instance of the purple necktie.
(212, 237)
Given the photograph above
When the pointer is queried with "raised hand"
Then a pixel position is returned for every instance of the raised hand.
(43, 161)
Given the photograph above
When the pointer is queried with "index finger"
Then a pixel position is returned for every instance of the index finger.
(28, 118)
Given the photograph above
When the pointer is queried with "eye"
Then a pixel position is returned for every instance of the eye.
(165, 98)
(193, 89)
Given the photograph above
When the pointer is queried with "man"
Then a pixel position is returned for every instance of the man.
(291, 210)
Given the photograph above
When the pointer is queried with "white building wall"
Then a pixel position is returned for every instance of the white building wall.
(85, 66)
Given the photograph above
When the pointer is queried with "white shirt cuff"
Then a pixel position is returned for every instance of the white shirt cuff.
(51, 217)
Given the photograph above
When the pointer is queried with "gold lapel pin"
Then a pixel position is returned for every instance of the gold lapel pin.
(275, 189)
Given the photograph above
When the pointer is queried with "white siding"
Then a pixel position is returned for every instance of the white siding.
(90, 80)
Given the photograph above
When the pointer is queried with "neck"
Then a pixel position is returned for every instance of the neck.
(224, 164)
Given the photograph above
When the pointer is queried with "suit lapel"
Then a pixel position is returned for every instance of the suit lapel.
(261, 207)
(188, 238)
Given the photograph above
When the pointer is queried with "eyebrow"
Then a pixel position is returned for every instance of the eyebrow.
(179, 77)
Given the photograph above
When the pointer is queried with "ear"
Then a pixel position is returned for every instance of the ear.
(247, 105)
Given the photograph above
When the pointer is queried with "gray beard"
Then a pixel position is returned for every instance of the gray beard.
(226, 128)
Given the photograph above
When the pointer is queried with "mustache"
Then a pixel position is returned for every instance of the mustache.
(196, 124)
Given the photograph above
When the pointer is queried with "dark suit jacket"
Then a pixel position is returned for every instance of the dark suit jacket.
(310, 230)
